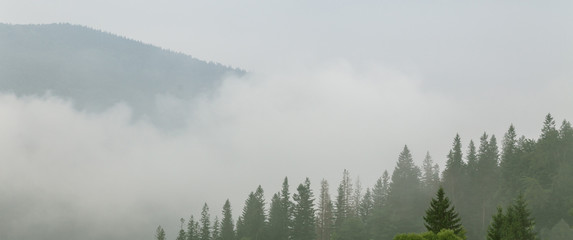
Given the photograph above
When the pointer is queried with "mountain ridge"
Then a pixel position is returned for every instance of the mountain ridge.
(98, 69)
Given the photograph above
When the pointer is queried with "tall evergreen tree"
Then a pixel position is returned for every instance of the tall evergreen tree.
(509, 169)
(380, 190)
(286, 212)
(253, 218)
(241, 232)
(488, 180)
(182, 235)
(160, 233)
(379, 225)
(343, 203)
(192, 229)
(205, 224)
(356, 198)
(405, 199)
(516, 223)
(520, 225)
(441, 215)
(227, 228)
(304, 222)
(366, 206)
(455, 171)
(280, 214)
(496, 228)
(429, 180)
(216, 231)
(325, 216)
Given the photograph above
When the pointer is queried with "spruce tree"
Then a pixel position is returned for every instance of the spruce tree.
(521, 226)
(324, 219)
(429, 181)
(441, 215)
(286, 212)
(496, 228)
(216, 231)
(304, 222)
(252, 223)
(405, 198)
(160, 233)
(343, 199)
(366, 206)
(275, 218)
(454, 174)
(205, 224)
(192, 229)
(182, 234)
(227, 228)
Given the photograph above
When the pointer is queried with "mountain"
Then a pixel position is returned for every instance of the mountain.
(96, 70)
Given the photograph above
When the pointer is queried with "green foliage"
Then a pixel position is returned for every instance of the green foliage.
(280, 214)
(324, 219)
(192, 229)
(352, 229)
(252, 223)
(205, 224)
(406, 200)
(216, 231)
(303, 212)
(515, 223)
(441, 215)
(496, 228)
(160, 233)
(445, 234)
(227, 228)
(542, 169)
(561, 231)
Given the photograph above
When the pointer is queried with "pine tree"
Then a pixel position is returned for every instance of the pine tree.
(227, 228)
(241, 232)
(366, 206)
(252, 223)
(216, 231)
(304, 222)
(521, 226)
(455, 171)
(405, 198)
(487, 180)
(356, 198)
(496, 228)
(429, 181)
(324, 214)
(205, 224)
(380, 191)
(441, 215)
(516, 223)
(286, 212)
(182, 235)
(192, 229)
(160, 233)
(343, 199)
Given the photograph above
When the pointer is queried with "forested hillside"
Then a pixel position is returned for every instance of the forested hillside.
(96, 70)
(528, 175)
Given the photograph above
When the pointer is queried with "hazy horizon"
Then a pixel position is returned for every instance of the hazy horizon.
(330, 86)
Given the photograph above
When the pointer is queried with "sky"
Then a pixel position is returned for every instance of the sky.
(332, 85)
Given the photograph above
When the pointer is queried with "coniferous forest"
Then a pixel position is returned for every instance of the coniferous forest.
(511, 188)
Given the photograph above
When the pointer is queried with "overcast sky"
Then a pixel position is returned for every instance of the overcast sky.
(334, 85)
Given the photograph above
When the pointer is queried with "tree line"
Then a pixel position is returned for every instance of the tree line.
(534, 176)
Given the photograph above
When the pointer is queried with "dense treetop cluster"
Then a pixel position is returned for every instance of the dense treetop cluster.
(533, 177)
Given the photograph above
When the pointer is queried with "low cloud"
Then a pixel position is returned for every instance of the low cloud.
(69, 174)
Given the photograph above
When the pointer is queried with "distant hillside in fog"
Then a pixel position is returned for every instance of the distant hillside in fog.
(96, 70)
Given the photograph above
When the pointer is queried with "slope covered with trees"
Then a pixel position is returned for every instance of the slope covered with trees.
(533, 177)
(97, 70)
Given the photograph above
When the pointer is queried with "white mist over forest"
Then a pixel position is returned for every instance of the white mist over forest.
(327, 86)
